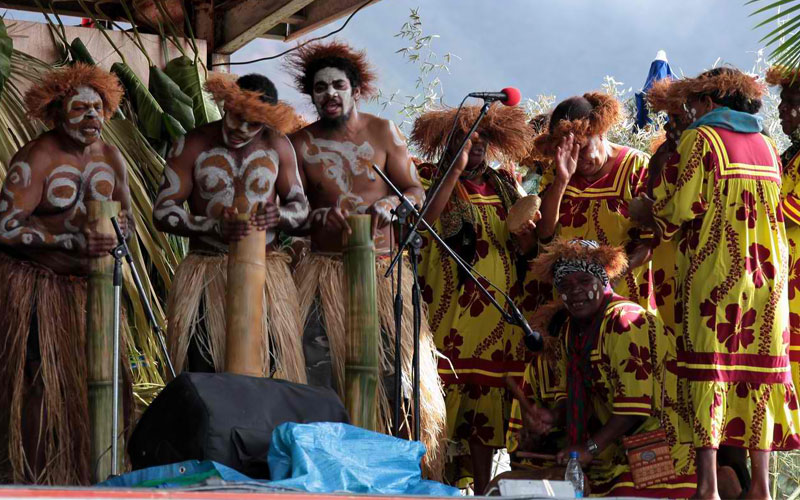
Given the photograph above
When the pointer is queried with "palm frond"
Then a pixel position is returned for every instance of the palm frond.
(784, 39)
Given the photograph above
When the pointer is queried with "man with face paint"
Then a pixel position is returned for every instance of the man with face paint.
(732, 306)
(587, 191)
(46, 248)
(243, 163)
(469, 213)
(337, 154)
(789, 113)
(613, 376)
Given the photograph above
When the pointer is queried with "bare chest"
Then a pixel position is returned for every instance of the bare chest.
(340, 173)
(220, 177)
(68, 187)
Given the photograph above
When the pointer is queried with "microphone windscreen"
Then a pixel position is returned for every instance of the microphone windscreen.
(512, 96)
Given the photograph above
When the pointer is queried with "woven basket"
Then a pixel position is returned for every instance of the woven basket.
(649, 458)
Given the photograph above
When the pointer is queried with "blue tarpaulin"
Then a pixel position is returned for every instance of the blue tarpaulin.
(659, 69)
(320, 457)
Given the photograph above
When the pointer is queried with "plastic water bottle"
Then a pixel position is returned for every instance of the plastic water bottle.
(575, 474)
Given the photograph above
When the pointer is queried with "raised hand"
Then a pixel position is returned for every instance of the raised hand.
(567, 158)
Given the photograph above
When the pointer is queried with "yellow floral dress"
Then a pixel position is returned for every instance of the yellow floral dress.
(732, 305)
(599, 211)
(480, 349)
(632, 362)
(790, 204)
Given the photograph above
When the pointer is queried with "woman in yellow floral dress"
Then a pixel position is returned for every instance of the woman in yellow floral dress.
(480, 348)
(789, 112)
(591, 182)
(732, 277)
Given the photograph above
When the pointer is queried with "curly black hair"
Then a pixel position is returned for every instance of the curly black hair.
(261, 84)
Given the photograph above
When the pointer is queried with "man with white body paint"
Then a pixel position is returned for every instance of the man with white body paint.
(242, 163)
(336, 155)
(46, 248)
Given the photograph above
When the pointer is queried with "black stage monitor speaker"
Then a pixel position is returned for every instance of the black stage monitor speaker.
(226, 418)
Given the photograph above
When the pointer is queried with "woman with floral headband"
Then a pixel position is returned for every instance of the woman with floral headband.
(469, 212)
(610, 358)
(733, 312)
(590, 184)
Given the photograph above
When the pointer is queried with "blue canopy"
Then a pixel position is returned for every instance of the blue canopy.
(659, 69)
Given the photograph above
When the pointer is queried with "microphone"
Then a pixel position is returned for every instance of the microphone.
(509, 96)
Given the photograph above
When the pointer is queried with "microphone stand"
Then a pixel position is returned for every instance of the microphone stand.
(404, 243)
(533, 340)
(120, 251)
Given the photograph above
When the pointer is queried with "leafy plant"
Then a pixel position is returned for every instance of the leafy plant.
(785, 37)
(428, 88)
(190, 77)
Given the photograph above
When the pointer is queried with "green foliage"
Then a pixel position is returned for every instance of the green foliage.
(173, 101)
(154, 123)
(428, 89)
(191, 78)
(785, 37)
(6, 47)
(79, 53)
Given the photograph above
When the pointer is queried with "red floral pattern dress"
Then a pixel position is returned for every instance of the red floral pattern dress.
(480, 349)
(732, 307)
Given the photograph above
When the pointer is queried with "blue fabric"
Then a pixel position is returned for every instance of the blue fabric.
(658, 70)
(332, 457)
(735, 121)
(320, 457)
(177, 475)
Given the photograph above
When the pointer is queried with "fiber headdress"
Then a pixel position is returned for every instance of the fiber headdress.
(606, 112)
(584, 253)
(43, 99)
(664, 96)
(783, 76)
(304, 63)
(505, 130)
(248, 104)
(727, 82)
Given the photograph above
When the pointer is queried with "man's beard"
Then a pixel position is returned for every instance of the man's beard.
(334, 123)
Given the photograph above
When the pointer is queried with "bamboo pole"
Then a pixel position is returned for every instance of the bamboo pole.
(244, 309)
(363, 324)
(99, 342)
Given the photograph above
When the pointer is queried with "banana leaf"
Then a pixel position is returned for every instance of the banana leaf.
(191, 78)
(150, 114)
(80, 53)
(6, 47)
(175, 103)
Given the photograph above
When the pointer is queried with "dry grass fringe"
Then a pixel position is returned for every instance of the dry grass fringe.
(59, 305)
(783, 76)
(248, 104)
(724, 84)
(42, 99)
(323, 276)
(505, 130)
(606, 112)
(613, 259)
(664, 96)
(204, 278)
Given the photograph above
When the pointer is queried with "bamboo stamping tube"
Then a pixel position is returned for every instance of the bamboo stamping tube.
(363, 324)
(100, 341)
(244, 309)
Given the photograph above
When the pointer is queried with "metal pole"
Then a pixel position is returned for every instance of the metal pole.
(115, 373)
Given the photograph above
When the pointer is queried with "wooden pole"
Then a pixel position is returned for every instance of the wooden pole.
(363, 324)
(244, 309)
(99, 341)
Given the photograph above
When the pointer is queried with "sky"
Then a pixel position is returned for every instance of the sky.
(551, 47)
(555, 47)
